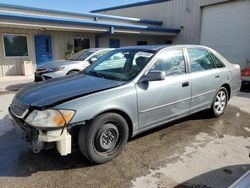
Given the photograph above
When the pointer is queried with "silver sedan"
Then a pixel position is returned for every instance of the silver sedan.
(127, 91)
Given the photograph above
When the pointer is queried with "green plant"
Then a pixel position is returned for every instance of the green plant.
(69, 50)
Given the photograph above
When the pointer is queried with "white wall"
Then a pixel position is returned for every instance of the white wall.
(175, 13)
(12, 65)
(131, 40)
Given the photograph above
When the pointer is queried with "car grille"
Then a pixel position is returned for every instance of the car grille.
(47, 77)
(19, 109)
(41, 70)
(38, 78)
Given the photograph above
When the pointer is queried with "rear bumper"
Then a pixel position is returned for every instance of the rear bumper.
(38, 139)
(245, 85)
(245, 78)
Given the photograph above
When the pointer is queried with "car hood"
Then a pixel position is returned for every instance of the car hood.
(59, 63)
(58, 90)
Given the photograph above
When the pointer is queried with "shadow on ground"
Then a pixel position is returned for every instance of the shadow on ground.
(18, 159)
(244, 94)
(222, 177)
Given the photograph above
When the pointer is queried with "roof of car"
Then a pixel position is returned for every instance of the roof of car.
(160, 47)
(146, 47)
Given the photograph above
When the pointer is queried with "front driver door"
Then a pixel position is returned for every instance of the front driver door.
(161, 101)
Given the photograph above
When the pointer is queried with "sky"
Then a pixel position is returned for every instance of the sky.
(70, 5)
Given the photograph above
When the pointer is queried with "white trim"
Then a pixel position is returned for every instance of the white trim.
(53, 27)
(27, 40)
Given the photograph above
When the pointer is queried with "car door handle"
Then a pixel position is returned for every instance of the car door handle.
(185, 84)
(217, 76)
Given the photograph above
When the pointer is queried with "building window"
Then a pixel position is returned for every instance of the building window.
(15, 45)
(139, 43)
(168, 41)
(81, 44)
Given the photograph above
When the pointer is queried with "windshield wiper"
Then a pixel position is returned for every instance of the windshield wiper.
(100, 74)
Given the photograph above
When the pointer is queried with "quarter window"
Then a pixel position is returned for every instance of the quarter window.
(172, 62)
(200, 60)
(15, 45)
(217, 62)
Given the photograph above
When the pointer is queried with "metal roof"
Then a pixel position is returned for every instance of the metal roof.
(121, 18)
(81, 22)
(130, 5)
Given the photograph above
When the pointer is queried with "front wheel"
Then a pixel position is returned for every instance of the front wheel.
(220, 102)
(73, 72)
(104, 138)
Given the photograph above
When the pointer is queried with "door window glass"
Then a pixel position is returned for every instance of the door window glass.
(172, 62)
(47, 45)
(200, 60)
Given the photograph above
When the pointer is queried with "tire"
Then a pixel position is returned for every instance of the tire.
(73, 72)
(104, 138)
(220, 102)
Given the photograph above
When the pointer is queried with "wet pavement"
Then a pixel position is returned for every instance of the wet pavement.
(197, 151)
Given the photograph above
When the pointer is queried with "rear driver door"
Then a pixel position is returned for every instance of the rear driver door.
(205, 78)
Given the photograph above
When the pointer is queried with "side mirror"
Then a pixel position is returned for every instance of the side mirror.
(153, 76)
(92, 60)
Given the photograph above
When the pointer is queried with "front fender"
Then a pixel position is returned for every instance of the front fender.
(122, 98)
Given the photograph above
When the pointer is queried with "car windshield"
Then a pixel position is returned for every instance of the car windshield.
(82, 55)
(120, 64)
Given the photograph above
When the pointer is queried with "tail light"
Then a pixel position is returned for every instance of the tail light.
(245, 72)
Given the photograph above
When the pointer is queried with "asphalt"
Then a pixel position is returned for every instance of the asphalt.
(198, 151)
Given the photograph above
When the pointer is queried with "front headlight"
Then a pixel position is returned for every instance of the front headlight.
(55, 69)
(50, 118)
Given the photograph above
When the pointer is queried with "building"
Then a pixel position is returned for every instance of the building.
(221, 24)
(36, 35)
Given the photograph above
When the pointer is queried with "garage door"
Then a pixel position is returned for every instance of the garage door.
(226, 28)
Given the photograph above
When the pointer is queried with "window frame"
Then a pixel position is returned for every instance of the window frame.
(189, 62)
(81, 38)
(13, 57)
(169, 50)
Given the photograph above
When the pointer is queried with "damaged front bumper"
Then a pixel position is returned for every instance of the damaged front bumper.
(39, 139)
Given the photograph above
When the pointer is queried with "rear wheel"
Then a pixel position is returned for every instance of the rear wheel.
(104, 138)
(220, 102)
